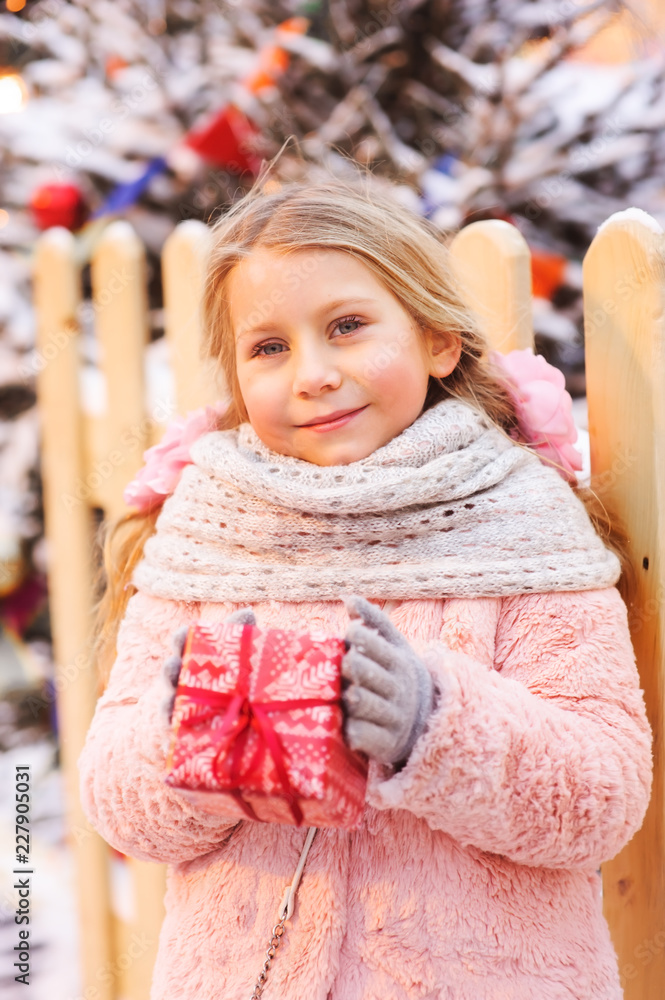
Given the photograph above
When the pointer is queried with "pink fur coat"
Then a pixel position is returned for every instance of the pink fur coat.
(473, 876)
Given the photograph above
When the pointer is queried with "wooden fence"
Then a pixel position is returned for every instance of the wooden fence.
(88, 458)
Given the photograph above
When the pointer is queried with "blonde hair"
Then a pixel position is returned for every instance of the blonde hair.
(406, 253)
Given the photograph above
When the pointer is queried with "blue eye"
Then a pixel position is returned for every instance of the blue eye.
(257, 352)
(344, 322)
(264, 350)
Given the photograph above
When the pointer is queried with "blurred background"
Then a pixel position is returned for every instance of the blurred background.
(546, 113)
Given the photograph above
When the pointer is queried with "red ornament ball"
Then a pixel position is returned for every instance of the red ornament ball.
(58, 205)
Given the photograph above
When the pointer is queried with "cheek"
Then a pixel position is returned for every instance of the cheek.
(261, 396)
(395, 377)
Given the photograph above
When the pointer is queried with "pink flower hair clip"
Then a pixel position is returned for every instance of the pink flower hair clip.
(165, 461)
(543, 408)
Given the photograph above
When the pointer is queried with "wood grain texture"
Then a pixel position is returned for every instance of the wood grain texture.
(624, 305)
(69, 531)
(492, 262)
(183, 268)
(121, 326)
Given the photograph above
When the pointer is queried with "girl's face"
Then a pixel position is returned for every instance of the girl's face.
(320, 338)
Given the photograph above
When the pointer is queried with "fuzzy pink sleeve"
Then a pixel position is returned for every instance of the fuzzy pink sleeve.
(545, 759)
(123, 760)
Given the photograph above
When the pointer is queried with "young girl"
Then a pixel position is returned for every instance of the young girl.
(369, 477)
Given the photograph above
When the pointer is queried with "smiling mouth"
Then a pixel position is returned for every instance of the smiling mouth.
(333, 421)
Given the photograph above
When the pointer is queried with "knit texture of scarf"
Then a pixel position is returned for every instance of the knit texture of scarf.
(450, 507)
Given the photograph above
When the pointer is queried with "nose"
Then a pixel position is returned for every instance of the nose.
(314, 370)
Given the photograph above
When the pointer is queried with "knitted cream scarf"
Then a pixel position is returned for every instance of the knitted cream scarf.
(449, 507)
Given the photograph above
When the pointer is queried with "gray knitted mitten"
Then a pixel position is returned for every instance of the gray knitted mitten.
(391, 694)
(171, 666)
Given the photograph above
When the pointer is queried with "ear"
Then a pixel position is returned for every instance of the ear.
(444, 350)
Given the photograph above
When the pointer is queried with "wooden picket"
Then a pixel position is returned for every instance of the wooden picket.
(121, 327)
(87, 460)
(624, 289)
(492, 262)
(69, 530)
(183, 267)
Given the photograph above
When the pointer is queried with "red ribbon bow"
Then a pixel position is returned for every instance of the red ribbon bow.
(241, 717)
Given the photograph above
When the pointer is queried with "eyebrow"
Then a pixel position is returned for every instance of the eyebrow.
(328, 308)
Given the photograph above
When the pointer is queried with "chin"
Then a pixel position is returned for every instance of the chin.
(340, 456)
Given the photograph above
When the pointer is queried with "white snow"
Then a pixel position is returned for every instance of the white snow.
(632, 215)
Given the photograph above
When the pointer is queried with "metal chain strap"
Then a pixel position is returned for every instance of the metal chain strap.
(285, 913)
(275, 942)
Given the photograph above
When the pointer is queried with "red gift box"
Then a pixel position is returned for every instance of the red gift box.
(257, 727)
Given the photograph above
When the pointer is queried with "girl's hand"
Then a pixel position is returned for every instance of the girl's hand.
(171, 667)
(390, 695)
